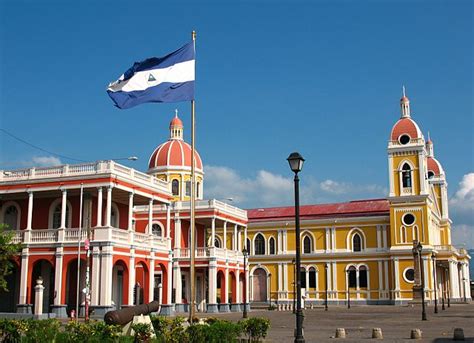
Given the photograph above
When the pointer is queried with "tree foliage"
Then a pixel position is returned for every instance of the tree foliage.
(8, 250)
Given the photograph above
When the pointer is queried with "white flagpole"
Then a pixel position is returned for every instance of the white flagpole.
(192, 214)
(78, 291)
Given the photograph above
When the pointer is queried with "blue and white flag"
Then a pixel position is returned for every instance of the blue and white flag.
(157, 79)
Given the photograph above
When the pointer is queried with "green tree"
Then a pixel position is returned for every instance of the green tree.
(8, 250)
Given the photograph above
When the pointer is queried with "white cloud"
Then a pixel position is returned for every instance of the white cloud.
(41, 161)
(268, 189)
(461, 207)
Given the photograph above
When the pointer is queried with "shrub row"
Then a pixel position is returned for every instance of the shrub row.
(168, 330)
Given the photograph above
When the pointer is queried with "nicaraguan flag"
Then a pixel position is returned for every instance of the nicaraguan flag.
(157, 79)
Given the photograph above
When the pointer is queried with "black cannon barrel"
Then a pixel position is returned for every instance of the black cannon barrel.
(124, 316)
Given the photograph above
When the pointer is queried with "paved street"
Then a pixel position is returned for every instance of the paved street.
(396, 323)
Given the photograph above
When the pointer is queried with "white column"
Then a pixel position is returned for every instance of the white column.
(327, 240)
(58, 275)
(95, 283)
(279, 239)
(177, 233)
(357, 284)
(225, 235)
(334, 278)
(396, 276)
(453, 279)
(245, 238)
(384, 237)
(285, 277)
(422, 175)
(239, 240)
(177, 283)
(30, 210)
(24, 276)
(390, 175)
(151, 284)
(306, 273)
(234, 238)
(466, 281)
(63, 208)
(99, 206)
(236, 297)
(280, 278)
(427, 273)
(379, 237)
(168, 221)
(385, 265)
(212, 283)
(108, 211)
(150, 216)
(169, 275)
(131, 277)
(333, 238)
(226, 281)
(380, 272)
(130, 211)
(213, 232)
(106, 276)
(285, 243)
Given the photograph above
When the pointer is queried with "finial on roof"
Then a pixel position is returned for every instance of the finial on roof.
(403, 90)
(176, 113)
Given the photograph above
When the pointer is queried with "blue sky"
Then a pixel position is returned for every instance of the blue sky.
(322, 77)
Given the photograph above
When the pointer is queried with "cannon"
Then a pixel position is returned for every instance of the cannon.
(124, 316)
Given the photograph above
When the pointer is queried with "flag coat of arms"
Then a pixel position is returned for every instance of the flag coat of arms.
(157, 79)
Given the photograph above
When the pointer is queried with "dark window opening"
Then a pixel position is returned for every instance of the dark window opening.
(352, 278)
(175, 187)
(312, 278)
(406, 175)
(306, 245)
(272, 246)
(259, 245)
(363, 278)
(356, 243)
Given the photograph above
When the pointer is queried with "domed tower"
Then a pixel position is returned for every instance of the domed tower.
(171, 162)
(409, 190)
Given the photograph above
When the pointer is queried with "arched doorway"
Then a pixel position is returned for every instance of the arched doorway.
(119, 284)
(10, 297)
(141, 283)
(44, 269)
(160, 284)
(242, 288)
(71, 284)
(233, 283)
(260, 285)
(221, 287)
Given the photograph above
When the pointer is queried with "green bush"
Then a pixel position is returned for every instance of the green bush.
(255, 328)
(92, 332)
(142, 332)
(11, 330)
(41, 330)
(223, 331)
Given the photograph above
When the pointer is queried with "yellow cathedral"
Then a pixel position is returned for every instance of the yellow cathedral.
(364, 249)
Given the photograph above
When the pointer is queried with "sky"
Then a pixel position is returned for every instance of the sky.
(323, 78)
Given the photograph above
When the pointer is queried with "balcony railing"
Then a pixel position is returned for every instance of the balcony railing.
(71, 236)
(82, 169)
(446, 248)
(209, 252)
(213, 205)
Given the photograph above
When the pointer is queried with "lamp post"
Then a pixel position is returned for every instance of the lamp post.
(296, 161)
(443, 290)
(270, 287)
(348, 290)
(435, 284)
(294, 285)
(245, 252)
(448, 286)
(418, 249)
(326, 280)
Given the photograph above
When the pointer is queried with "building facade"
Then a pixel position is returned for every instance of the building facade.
(133, 230)
(363, 249)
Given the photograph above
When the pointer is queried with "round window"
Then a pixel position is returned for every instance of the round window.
(404, 139)
(430, 174)
(408, 219)
(409, 275)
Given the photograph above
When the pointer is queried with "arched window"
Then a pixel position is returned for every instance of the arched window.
(248, 246)
(156, 230)
(217, 243)
(352, 277)
(188, 188)
(259, 245)
(198, 187)
(356, 242)
(11, 217)
(271, 246)
(57, 216)
(416, 233)
(175, 187)
(303, 277)
(406, 176)
(403, 230)
(312, 277)
(307, 246)
(363, 277)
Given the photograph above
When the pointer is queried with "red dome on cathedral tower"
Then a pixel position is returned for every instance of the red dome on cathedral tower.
(175, 153)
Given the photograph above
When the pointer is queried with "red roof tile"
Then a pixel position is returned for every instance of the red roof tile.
(344, 209)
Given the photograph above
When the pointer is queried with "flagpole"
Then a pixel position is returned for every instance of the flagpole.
(192, 214)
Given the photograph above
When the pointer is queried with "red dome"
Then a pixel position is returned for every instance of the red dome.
(434, 166)
(176, 122)
(173, 154)
(405, 126)
(404, 99)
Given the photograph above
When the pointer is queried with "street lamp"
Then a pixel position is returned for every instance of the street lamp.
(435, 284)
(296, 161)
(417, 250)
(348, 289)
(326, 297)
(245, 252)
